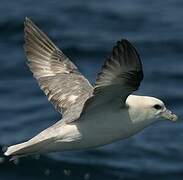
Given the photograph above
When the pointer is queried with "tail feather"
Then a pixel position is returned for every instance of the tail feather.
(26, 148)
(17, 149)
(33, 146)
(41, 143)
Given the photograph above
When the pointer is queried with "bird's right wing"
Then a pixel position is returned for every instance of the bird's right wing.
(57, 76)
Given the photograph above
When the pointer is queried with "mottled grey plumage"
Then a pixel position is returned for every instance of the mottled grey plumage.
(66, 87)
(58, 77)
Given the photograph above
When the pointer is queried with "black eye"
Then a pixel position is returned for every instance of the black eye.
(157, 106)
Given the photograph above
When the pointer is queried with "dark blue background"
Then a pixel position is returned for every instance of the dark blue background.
(87, 31)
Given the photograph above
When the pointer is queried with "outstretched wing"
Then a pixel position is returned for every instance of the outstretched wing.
(121, 74)
(57, 76)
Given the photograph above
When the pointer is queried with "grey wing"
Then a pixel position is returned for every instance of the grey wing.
(57, 76)
(121, 74)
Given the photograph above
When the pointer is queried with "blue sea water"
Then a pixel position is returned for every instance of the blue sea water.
(86, 31)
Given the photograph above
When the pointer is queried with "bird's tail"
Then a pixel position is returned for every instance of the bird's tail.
(41, 143)
(21, 149)
(37, 144)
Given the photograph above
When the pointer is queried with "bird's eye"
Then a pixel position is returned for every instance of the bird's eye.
(157, 106)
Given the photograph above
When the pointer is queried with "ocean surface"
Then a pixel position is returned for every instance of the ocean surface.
(86, 31)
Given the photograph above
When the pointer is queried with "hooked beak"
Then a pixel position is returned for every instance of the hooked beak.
(167, 114)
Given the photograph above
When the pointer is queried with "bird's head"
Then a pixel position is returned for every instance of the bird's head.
(149, 108)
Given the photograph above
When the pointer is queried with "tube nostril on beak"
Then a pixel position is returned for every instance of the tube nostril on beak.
(167, 114)
(173, 117)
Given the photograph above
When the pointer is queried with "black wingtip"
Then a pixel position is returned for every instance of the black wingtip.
(130, 48)
(125, 42)
(125, 51)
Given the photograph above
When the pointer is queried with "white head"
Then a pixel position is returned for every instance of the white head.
(148, 108)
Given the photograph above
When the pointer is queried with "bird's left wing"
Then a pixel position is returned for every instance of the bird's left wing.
(57, 76)
(121, 74)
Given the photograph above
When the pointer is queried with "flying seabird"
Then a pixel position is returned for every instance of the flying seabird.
(91, 115)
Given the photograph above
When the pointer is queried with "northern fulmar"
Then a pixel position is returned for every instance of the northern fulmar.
(91, 115)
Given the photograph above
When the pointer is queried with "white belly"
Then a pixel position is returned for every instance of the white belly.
(96, 129)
